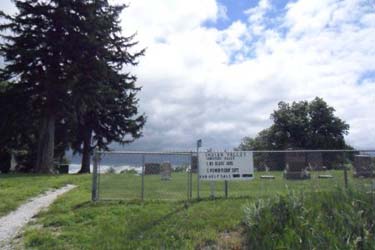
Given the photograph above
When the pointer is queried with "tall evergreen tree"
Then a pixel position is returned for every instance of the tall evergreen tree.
(69, 57)
(104, 94)
(35, 66)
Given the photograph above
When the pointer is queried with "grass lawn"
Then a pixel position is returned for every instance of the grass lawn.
(128, 186)
(73, 222)
(15, 189)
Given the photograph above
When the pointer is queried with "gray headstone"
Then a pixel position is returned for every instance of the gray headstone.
(295, 161)
(315, 161)
(166, 171)
(152, 168)
(274, 161)
(13, 163)
(363, 166)
(296, 167)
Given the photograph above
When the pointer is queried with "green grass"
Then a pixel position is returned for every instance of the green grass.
(128, 186)
(163, 221)
(152, 225)
(325, 220)
(15, 189)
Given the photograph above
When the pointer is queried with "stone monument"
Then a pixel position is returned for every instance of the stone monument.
(152, 168)
(165, 171)
(363, 166)
(315, 161)
(296, 167)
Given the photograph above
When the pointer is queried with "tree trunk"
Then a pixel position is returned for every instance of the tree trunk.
(5, 161)
(86, 152)
(46, 144)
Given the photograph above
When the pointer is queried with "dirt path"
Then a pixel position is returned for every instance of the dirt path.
(12, 223)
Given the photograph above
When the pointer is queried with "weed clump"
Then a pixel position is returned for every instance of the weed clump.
(341, 219)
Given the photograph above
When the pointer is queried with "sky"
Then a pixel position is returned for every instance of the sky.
(216, 69)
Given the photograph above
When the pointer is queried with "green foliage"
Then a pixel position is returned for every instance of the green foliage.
(73, 222)
(261, 142)
(66, 81)
(36, 68)
(105, 107)
(301, 125)
(327, 220)
(129, 171)
(105, 99)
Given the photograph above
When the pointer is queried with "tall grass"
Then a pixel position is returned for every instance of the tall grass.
(340, 219)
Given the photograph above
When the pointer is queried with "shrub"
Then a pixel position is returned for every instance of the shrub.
(129, 171)
(111, 170)
(330, 220)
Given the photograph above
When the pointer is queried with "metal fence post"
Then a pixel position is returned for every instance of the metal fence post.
(191, 175)
(188, 185)
(213, 187)
(191, 185)
(143, 178)
(345, 171)
(199, 144)
(346, 177)
(94, 191)
(198, 181)
(226, 188)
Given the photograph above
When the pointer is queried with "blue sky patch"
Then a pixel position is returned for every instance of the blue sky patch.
(367, 76)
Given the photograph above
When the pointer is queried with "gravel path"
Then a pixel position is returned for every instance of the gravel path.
(12, 223)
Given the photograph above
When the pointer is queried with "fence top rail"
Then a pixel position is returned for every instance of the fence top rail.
(145, 152)
(254, 151)
(314, 150)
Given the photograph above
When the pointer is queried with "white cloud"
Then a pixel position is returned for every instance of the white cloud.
(222, 85)
(227, 82)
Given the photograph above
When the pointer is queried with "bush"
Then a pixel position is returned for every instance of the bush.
(180, 169)
(336, 220)
(110, 170)
(129, 171)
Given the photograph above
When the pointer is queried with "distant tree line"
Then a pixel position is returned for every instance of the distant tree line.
(66, 82)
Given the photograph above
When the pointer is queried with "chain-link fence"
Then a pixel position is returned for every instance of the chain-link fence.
(174, 175)
(142, 175)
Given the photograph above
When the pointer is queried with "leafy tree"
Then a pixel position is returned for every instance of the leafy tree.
(326, 131)
(304, 125)
(300, 125)
(260, 142)
(290, 125)
(307, 125)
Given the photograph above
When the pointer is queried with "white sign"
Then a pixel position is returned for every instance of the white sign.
(236, 165)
